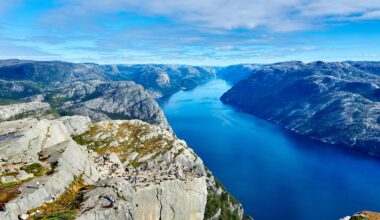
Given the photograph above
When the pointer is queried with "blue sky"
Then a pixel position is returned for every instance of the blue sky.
(199, 32)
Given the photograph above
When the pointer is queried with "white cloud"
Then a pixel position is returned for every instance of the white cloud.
(277, 15)
(369, 15)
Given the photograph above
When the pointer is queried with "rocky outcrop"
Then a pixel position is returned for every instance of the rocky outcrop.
(337, 103)
(107, 170)
(33, 146)
(97, 201)
(168, 178)
(20, 110)
(364, 215)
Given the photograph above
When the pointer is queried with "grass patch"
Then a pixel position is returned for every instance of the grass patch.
(10, 173)
(178, 152)
(356, 217)
(66, 206)
(13, 184)
(64, 215)
(36, 169)
(133, 142)
(134, 163)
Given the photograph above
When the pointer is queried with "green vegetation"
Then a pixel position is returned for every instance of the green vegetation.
(93, 95)
(357, 217)
(36, 169)
(8, 185)
(64, 215)
(10, 96)
(179, 152)
(10, 173)
(134, 163)
(222, 202)
(66, 206)
(52, 98)
(52, 112)
(12, 184)
(216, 202)
(116, 116)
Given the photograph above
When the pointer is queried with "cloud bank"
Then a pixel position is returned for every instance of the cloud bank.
(217, 32)
(275, 15)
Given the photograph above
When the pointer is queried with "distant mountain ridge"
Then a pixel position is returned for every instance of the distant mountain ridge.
(158, 79)
(337, 102)
(162, 80)
(98, 91)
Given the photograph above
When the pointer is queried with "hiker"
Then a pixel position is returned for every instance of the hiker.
(52, 197)
(3, 207)
(111, 199)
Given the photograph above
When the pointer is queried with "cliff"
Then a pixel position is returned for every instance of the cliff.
(114, 169)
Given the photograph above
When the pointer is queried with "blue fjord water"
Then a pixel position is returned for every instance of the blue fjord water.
(275, 174)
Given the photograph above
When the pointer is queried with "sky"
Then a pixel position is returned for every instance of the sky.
(197, 32)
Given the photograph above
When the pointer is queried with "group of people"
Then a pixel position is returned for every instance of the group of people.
(143, 176)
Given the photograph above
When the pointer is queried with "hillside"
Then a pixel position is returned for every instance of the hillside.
(337, 103)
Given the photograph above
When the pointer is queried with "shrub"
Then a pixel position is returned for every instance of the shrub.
(36, 169)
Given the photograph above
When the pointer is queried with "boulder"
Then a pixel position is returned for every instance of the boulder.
(111, 199)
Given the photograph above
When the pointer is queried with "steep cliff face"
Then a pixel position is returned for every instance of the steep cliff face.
(338, 103)
(120, 169)
(169, 179)
(111, 100)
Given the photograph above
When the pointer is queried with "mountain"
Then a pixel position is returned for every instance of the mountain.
(235, 73)
(87, 164)
(337, 103)
(72, 168)
(107, 100)
(162, 80)
(99, 91)
(50, 73)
